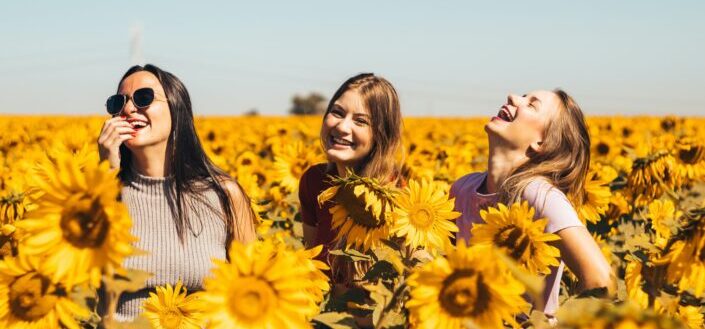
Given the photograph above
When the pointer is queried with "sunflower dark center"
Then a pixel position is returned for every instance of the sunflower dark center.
(514, 239)
(356, 208)
(261, 179)
(603, 148)
(465, 294)
(85, 224)
(31, 297)
(693, 155)
(626, 132)
(668, 124)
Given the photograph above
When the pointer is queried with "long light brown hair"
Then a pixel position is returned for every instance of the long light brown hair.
(563, 159)
(382, 163)
(382, 101)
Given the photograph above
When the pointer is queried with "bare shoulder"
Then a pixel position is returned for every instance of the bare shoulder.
(233, 188)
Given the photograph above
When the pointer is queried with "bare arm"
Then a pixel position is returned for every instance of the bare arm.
(579, 251)
(582, 255)
(244, 218)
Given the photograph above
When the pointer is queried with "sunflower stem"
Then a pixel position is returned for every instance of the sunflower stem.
(111, 300)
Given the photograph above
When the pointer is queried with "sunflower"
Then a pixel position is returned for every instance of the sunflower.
(79, 225)
(12, 207)
(318, 279)
(590, 313)
(172, 308)
(605, 147)
(82, 154)
(663, 216)
(691, 316)
(671, 306)
(424, 215)
(515, 231)
(360, 210)
(247, 162)
(265, 286)
(468, 284)
(31, 299)
(597, 194)
(291, 163)
(633, 281)
(686, 255)
(651, 176)
(623, 164)
(690, 158)
(618, 206)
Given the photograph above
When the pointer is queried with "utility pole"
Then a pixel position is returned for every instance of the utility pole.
(136, 57)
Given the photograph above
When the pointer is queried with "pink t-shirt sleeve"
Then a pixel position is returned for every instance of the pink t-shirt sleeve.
(467, 202)
(552, 204)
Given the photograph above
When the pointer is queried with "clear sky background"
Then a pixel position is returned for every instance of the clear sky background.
(446, 58)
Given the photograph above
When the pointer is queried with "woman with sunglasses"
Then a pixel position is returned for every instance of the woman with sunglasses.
(185, 210)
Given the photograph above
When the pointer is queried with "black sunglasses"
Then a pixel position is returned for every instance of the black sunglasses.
(142, 98)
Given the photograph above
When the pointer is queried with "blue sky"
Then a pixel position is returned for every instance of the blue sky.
(446, 58)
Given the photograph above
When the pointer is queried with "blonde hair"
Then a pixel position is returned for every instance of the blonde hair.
(381, 100)
(563, 160)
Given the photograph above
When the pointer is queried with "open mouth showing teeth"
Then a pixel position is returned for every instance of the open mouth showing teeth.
(505, 115)
(138, 124)
(339, 141)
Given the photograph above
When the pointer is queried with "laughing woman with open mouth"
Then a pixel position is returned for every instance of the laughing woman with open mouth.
(539, 152)
(185, 211)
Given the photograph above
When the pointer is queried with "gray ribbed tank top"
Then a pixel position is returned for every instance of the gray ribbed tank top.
(154, 225)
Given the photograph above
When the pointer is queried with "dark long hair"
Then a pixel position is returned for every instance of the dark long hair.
(188, 163)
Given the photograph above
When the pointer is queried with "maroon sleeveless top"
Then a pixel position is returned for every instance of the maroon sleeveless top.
(314, 181)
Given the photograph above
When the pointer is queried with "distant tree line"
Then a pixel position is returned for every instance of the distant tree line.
(311, 104)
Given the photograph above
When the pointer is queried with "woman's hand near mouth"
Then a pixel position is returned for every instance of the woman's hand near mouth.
(115, 131)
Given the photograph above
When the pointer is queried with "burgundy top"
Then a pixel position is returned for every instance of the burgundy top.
(313, 182)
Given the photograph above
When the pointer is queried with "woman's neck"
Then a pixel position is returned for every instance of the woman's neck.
(150, 163)
(500, 164)
(342, 169)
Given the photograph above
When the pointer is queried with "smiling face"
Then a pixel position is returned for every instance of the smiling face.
(521, 122)
(346, 132)
(153, 123)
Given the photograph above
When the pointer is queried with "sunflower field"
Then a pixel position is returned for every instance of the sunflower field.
(64, 233)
